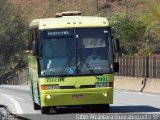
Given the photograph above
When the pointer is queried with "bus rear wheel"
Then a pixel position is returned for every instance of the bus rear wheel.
(45, 110)
(36, 106)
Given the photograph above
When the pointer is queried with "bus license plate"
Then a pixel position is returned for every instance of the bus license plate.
(77, 96)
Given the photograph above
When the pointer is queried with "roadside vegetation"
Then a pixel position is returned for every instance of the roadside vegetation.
(12, 41)
(135, 22)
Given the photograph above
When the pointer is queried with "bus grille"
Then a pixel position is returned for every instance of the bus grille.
(87, 86)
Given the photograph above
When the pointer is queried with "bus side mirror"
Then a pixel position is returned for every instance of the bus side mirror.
(28, 52)
(34, 48)
(117, 45)
(116, 67)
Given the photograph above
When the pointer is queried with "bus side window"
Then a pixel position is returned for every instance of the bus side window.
(34, 40)
(29, 40)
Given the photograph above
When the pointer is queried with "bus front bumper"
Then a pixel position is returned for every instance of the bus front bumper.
(76, 97)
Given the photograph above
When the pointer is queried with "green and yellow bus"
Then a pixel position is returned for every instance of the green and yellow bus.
(71, 62)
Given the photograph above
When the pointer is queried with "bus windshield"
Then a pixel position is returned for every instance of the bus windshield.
(74, 52)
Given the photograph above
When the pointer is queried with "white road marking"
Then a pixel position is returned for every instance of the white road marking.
(16, 104)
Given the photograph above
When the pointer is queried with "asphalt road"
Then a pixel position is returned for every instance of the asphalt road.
(124, 103)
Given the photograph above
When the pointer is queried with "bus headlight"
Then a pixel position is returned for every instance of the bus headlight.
(106, 94)
(48, 96)
(102, 84)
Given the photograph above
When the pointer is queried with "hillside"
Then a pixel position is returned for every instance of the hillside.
(47, 8)
(114, 10)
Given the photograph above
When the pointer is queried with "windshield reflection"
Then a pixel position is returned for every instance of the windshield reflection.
(64, 54)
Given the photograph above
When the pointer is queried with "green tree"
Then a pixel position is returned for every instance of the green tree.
(131, 34)
(151, 18)
(12, 38)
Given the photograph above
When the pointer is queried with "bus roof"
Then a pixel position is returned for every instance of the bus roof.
(69, 22)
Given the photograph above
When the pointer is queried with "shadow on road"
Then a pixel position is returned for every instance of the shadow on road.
(128, 109)
(113, 109)
(71, 113)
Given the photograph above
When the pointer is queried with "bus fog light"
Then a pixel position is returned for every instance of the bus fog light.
(48, 96)
(105, 94)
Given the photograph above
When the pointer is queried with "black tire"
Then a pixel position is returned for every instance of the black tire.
(36, 106)
(107, 107)
(45, 110)
(102, 107)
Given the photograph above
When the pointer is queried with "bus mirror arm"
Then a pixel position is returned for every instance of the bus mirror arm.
(34, 48)
(117, 45)
(28, 52)
(112, 37)
(116, 67)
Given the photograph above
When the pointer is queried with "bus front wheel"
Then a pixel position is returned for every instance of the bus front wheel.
(103, 107)
(45, 110)
(36, 106)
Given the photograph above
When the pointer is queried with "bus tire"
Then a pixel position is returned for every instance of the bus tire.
(36, 106)
(107, 107)
(103, 107)
(45, 110)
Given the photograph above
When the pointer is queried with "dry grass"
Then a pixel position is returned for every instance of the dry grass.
(33, 9)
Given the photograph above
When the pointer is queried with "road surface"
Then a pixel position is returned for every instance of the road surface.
(124, 103)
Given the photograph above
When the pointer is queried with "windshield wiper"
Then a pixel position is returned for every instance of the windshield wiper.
(67, 63)
(82, 59)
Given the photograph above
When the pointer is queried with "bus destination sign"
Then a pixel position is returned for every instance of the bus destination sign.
(59, 33)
